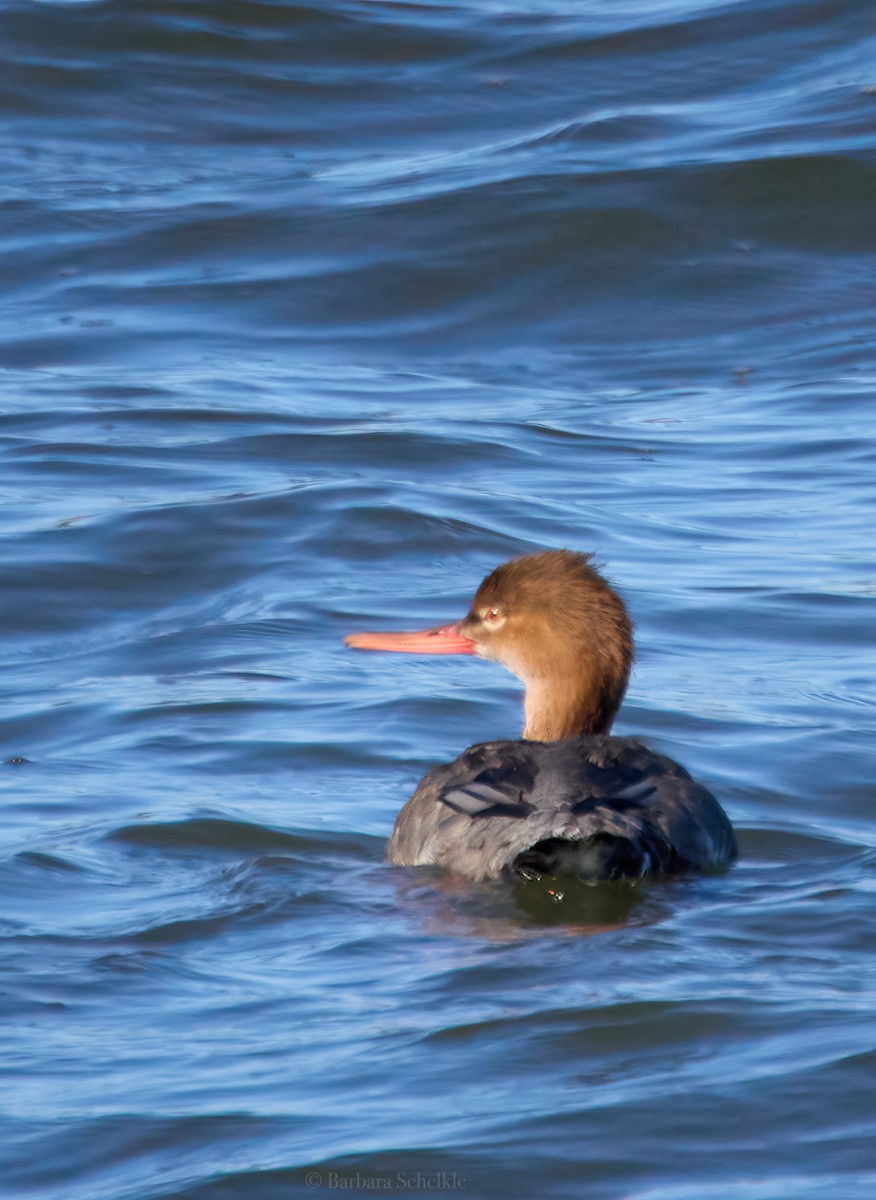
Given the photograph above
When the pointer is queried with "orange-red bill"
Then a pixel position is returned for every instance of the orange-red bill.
(444, 639)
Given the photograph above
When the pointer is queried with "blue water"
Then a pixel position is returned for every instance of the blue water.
(312, 314)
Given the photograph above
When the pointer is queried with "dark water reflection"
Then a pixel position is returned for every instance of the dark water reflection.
(313, 314)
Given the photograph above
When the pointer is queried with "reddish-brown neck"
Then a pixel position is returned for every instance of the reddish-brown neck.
(570, 705)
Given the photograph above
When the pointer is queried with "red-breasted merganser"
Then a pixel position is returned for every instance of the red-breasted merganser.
(569, 799)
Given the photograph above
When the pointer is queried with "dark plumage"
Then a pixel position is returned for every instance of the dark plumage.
(569, 799)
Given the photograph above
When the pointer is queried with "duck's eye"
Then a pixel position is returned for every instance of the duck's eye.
(492, 615)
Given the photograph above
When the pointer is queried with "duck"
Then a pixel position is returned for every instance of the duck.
(569, 798)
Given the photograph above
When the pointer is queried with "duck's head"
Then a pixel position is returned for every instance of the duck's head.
(555, 623)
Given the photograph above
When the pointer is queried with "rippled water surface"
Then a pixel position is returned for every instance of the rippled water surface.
(312, 314)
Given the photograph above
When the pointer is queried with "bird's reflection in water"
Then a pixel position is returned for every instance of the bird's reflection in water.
(583, 907)
(509, 911)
